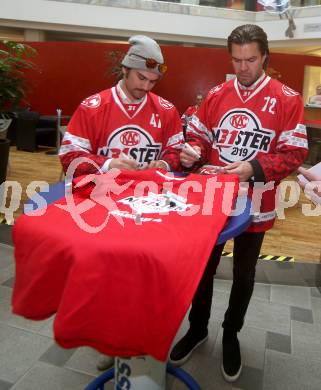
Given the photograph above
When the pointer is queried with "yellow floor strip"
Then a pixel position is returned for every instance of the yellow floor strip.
(267, 257)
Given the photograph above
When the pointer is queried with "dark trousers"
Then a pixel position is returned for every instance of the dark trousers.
(247, 248)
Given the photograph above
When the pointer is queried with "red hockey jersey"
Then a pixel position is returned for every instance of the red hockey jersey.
(120, 260)
(102, 127)
(264, 125)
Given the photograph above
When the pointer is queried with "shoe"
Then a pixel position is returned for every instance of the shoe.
(232, 364)
(184, 348)
(105, 362)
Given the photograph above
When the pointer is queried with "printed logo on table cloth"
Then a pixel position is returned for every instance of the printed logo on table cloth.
(151, 204)
(133, 141)
(240, 136)
(92, 101)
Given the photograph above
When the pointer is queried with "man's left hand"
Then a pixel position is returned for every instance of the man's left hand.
(242, 169)
(157, 164)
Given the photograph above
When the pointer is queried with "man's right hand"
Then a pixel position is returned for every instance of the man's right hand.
(187, 158)
(123, 163)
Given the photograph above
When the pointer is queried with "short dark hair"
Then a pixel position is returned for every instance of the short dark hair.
(248, 33)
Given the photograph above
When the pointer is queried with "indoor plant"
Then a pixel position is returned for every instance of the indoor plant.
(14, 60)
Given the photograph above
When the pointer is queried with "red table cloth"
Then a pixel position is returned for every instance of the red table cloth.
(119, 260)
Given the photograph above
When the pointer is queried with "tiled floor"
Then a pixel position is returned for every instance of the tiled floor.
(280, 342)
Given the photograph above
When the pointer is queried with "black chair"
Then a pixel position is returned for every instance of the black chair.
(29, 133)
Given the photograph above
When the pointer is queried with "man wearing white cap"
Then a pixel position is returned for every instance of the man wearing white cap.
(126, 126)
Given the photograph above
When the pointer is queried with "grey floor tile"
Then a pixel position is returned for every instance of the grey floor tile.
(44, 376)
(278, 342)
(5, 234)
(260, 275)
(306, 340)
(252, 343)
(5, 332)
(222, 285)
(56, 355)
(47, 327)
(6, 256)
(225, 269)
(286, 372)
(250, 379)
(315, 292)
(6, 315)
(206, 370)
(292, 295)
(5, 385)
(300, 314)
(219, 304)
(313, 282)
(262, 291)
(9, 282)
(269, 316)
(316, 309)
(284, 265)
(310, 272)
(7, 273)
(19, 352)
(278, 275)
(84, 360)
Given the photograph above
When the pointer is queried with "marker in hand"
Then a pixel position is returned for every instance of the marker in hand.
(191, 151)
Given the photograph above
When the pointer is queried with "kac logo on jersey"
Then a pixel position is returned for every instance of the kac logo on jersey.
(92, 101)
(133, 141)
(130, 138)
(239, 121)
(240, 136)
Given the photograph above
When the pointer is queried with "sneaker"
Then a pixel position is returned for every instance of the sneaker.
(105, 362)
(184, 348)
(232, 364)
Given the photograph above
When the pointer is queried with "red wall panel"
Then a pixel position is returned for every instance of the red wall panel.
(70, 71)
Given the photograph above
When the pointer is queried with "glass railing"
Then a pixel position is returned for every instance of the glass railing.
(246, 5)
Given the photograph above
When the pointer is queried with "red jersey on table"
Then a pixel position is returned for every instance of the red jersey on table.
(250, 124)
(103, 126)
(125, 289)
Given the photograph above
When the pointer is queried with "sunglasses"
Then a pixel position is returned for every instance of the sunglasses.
(152, 64)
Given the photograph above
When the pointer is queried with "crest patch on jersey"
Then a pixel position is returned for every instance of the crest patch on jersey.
(289, 91)
(93, 101)
(240, 136)
(133, 141)
(165, 103)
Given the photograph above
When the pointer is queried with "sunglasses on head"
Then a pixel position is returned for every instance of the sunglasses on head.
(152, 64)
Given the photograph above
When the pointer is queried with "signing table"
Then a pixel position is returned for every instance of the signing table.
(123, 289)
